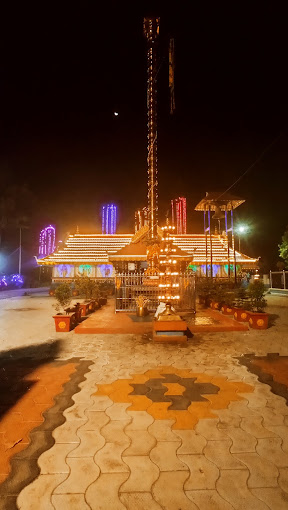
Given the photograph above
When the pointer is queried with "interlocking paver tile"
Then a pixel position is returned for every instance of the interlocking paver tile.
(191, 442)
(273, 498)
(103, 493)
(114, 432)
(143, 473)
(76, 412)
(227, 419)
(69, 502)
(37, 495)
(262, 472)
(232, 486)
(208, 500)
(253, 425)
(256, 400)
(100, 403)
(282, 431)
(168, 491)
(208, 429)
(83, 471)
(95, 420)
(161, 430)
(67, 432)
(118, 412)
(142, 442)
(271, 418)
(139, 500)
(219, 453)
(271, 448)
(140, 420)
(203, 473)
(241, 440)
(90, 443)
(242, 409)
(165, 457)
(53, 460)
(283, 478)
(109, 458)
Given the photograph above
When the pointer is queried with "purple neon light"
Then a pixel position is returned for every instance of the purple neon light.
(47, 241)
(109, 219)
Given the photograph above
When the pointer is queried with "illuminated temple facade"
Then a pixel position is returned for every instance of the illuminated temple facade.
(102, 255)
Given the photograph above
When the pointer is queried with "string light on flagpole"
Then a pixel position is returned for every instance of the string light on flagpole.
(169, 284)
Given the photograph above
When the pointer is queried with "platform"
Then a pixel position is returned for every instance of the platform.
(107, 321)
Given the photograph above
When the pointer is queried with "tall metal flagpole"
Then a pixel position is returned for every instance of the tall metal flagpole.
(151, 31)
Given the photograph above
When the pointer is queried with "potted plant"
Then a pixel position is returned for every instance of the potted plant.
(52, 290)
(64, 321)
(218, 294)
(242, 306)
(227, 307)
(141, 305)
(89, 288)
(258, 319)
(205, 291)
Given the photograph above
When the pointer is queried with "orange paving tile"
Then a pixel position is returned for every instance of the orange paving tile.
(25, 414)
(278, 368)
(121, 389)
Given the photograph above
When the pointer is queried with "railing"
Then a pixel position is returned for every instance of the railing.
(279, 280)
(130, 285)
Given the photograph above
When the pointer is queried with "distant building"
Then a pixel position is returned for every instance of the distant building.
(109, 219)
(46, 241)
(179, 215)
(141, 218)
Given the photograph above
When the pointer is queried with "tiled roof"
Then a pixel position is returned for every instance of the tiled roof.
(96, 248)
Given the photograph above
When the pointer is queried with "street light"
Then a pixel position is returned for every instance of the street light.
(241, 229)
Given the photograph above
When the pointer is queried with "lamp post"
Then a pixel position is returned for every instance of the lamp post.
(241, 229)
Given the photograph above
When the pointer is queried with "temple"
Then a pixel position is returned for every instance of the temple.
(210, 254)
(103, 256)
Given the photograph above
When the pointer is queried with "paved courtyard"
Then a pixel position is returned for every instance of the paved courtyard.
(115, 421)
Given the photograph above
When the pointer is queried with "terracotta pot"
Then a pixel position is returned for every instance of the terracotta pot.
(258, 320)
(215, 305)
(84, 309)
(241, 315)
(227, 310)
(64, 323)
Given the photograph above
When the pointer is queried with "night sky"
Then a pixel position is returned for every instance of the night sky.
(64, 71)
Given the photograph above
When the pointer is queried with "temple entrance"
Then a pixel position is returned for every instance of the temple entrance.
(130, 285)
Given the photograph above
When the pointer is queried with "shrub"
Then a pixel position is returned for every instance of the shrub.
(87, 287)
(256, 291)
(63, 297)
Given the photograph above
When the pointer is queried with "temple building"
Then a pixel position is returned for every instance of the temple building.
(102, 256)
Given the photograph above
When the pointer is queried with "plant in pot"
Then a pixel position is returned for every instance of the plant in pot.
(218, 293)
(141, 305)
(205, 291)
(227, 307)
(258, 319)
(52, 290)
(89, 289)
(242, 305)
(64, 321)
